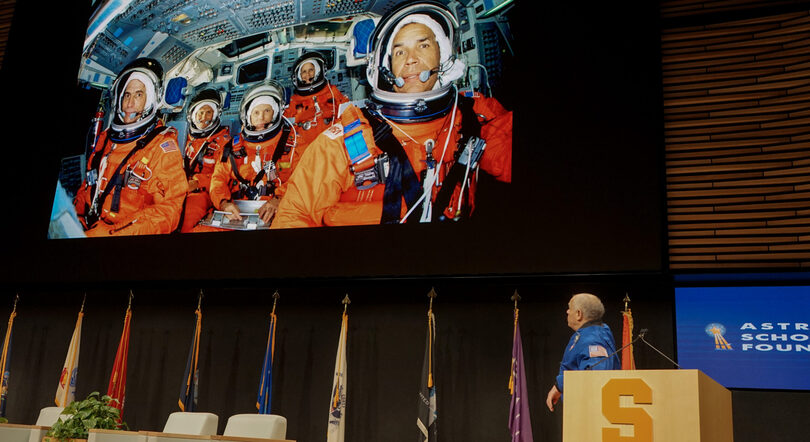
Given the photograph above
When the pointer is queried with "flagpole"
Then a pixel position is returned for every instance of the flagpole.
(628, 361)
(432, 295)
(189, 385)
(197, 332)
(263, 399)
(336, 429)
(346, 301)
(276, 296)
(275, 300)
(515, 297)
(520, 425)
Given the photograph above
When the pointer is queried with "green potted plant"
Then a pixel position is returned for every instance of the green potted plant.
(93, 412)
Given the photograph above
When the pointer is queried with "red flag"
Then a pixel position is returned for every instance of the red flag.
(118, 378)
(628, 362)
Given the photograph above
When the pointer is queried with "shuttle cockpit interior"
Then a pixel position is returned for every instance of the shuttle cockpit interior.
(230, 45)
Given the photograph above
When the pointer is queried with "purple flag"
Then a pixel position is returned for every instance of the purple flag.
(520, 422)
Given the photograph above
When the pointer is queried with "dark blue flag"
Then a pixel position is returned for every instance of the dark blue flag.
(426, 418)
(266, 381)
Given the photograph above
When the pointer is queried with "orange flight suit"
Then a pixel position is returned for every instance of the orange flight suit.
(323, 192)
(223, 181)
(151, 200)
(309, 121)
(198, 202)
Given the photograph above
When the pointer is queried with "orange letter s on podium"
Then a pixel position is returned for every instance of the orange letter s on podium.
(615, 414)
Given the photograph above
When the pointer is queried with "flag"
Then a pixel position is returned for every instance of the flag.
(628, 362)
(266, 381)
(66, 390)
(427, 415)
(118, 377)
(5, 364)
(337, 403)
(189, 388)
(520, 423)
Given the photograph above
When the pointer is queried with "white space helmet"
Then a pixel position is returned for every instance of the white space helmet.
(149, 72)
(267, 92)
(206, 97)
(420, 106)
(318, 82)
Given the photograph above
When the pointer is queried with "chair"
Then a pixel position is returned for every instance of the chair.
(193, 423)
(48, 416)
(263, 426)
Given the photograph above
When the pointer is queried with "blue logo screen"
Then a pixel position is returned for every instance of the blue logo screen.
(746, 337)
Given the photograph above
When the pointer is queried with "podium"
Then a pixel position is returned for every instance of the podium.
(645, 406)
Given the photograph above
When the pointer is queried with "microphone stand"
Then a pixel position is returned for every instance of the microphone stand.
(639, 336)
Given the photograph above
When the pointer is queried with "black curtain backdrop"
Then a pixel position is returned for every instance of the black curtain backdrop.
(387, 326)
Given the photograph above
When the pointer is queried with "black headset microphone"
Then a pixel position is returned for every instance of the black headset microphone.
(424, 76)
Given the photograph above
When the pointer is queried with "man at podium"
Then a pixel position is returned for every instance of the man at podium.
(589, 346)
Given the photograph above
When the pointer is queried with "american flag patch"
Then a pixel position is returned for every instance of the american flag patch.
(168, 146)
(595, 351)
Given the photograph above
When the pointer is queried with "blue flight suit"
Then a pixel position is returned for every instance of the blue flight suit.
(587, 347)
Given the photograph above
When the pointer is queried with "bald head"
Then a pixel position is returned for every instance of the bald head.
(583, 308)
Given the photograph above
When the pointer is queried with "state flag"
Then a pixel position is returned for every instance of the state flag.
(66, 390)
(118, 378)
(336, 429)
(628, 361)
(520, 423)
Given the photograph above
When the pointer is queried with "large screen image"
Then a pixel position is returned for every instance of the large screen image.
(215, 116)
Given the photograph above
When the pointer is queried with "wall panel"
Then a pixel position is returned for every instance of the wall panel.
(736, 108)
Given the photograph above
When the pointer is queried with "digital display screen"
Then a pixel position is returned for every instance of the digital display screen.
(746, 337)
(256, 155)
(584, 195)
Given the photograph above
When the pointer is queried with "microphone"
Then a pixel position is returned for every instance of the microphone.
(424, 76)
(640, 335)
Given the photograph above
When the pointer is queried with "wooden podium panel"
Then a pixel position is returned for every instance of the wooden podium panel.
(21, 433)
(150, 436)
(645, 406)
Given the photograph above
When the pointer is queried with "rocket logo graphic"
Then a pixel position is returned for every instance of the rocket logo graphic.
(717, 330)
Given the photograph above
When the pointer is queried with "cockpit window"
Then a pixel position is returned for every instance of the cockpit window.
(322, 29)
(245, 44)
(252, 72)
